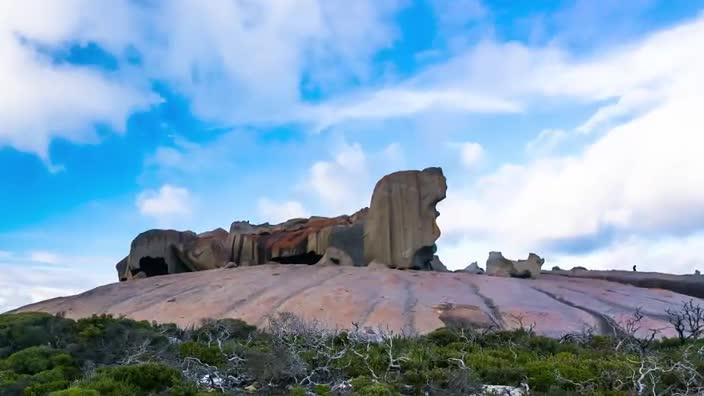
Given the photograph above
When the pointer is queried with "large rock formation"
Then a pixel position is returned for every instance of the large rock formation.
(400, 230)
(498, 265)
(297, 241)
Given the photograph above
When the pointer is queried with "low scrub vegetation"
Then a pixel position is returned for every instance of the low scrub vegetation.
(41, 354)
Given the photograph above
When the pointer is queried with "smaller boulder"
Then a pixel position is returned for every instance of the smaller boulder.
(697, 272)
(334, 256)
(498, 265)
(121, 268)
(578, 269)
(556, 268)
(473, 268)
(437, 265)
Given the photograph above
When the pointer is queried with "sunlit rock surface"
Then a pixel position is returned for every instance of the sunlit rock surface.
(375, 296)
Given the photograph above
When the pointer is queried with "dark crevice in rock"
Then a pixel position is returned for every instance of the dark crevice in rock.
(495, 312)
(605, 323)
(615, 304)
(409, 306)
(423, 258)
(152, 266)
(280, 301)
(309, 258)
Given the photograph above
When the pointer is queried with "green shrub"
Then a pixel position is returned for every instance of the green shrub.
(322, 390)
(298, 390)
(208, 355)
(35, 359)
(225, 329)
(148, 377)
(364, 386)
(108, 386)
(76, 392)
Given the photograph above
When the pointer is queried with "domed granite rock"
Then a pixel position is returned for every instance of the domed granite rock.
(400, 230)
(156, 252)
(498, 265)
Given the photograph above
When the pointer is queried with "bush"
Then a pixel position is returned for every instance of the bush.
(364, 386)
(148, 377)
(103, 355)
(206, 354)
(35, 359)
(76, 392)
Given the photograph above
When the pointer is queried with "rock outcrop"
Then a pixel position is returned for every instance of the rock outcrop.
(377, 297)
(297, 241)
(473, 268)
(498, 265)
(400, 230)
(121, 268)
(208, 251)
(437, 265)
(691, 285)
(158, 252)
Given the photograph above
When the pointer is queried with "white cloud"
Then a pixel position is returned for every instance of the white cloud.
(471, 154)
(456, 13)
(42, 99)
(233, 79)
(506, 77)
(404, 102)
(278, 212)
(635, 179)
(337, 183)
(344, 184)
(168, 201)
(45, 257)
(325, 47)
(25, 280)
(680, 255)
(546, 142)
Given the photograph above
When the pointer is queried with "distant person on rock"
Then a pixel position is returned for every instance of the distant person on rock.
(634, 268)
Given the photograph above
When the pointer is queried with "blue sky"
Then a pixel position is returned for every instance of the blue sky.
(568, 128)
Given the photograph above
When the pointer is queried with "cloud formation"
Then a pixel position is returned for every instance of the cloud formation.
(168, 201)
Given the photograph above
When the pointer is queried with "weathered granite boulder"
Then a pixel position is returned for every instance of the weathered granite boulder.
(335, 256)
(157, 252)
(498, 265)
(297, 241)
(437, 265)
(400, 229)
(473, 268)
(208, 251)
(121, 268)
